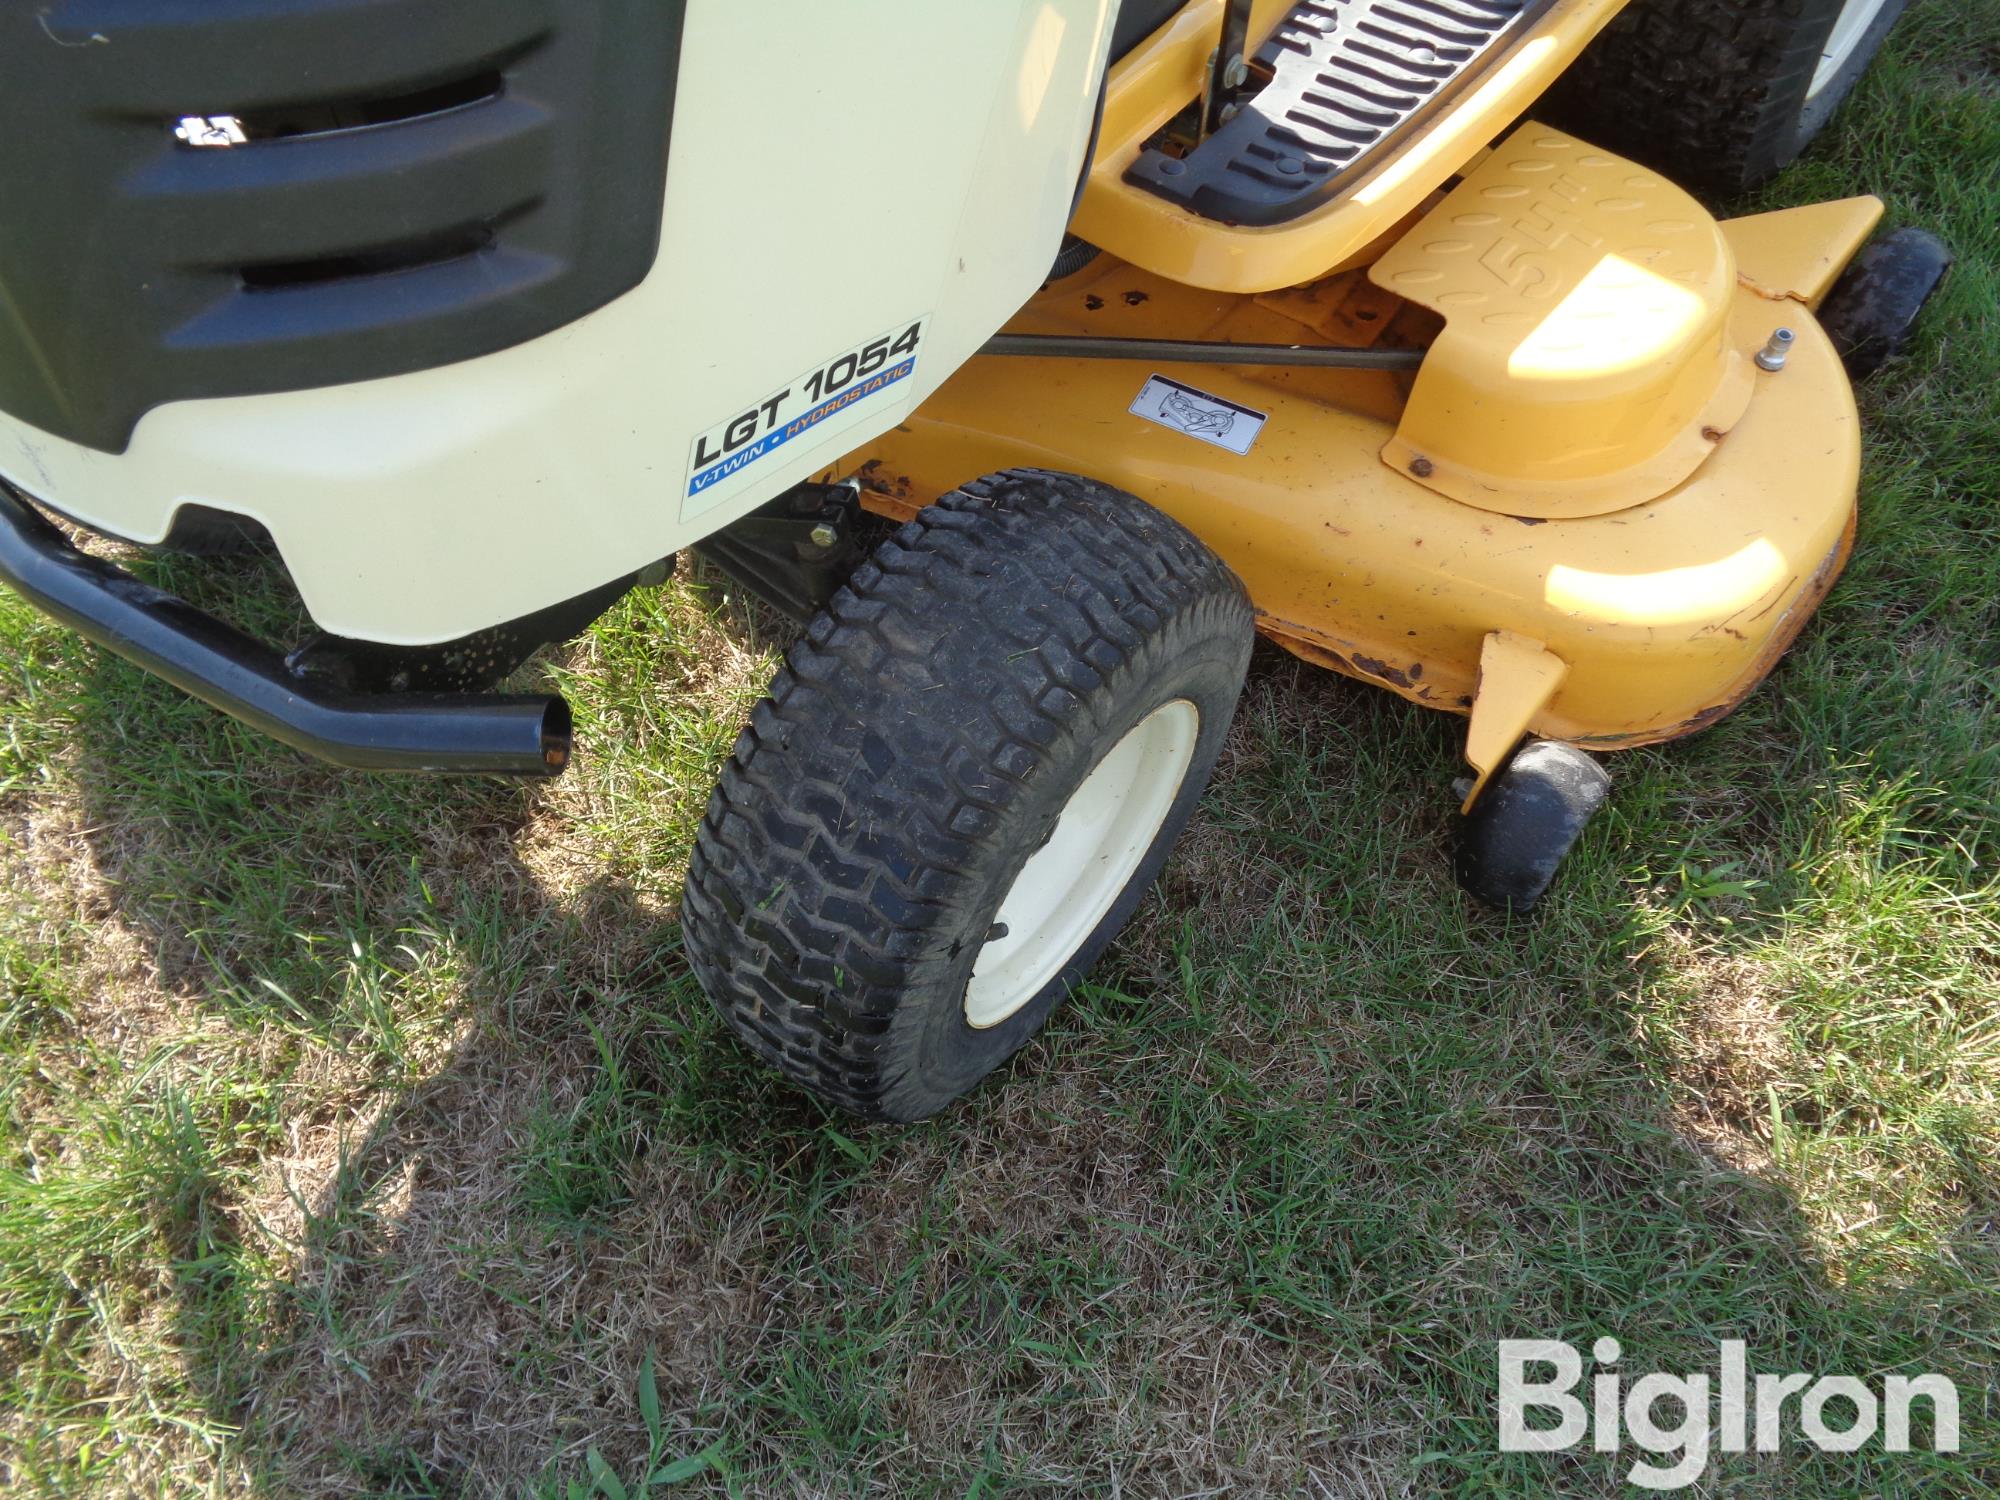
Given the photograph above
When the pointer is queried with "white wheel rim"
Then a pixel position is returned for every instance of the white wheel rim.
(1068, 885)
(1857, 19)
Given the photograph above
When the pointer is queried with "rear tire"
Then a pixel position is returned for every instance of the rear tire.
(1720, 94)
(1038, 668)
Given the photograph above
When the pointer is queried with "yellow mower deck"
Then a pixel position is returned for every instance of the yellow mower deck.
(1626, 522)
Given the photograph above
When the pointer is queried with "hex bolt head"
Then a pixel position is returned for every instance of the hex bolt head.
(1771, 358)
(824, 536)
(1236, 74)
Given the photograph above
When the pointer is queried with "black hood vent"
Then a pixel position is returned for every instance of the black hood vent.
(232, 197)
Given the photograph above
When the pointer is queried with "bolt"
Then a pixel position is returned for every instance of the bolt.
(1423, 468)
(1771, 358)
(1236, 74)
(824, 536)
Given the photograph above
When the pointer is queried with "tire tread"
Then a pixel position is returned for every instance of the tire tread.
(831, 850)
(1707, 91)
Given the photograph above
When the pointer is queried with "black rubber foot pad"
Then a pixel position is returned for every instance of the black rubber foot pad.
(1349, 79)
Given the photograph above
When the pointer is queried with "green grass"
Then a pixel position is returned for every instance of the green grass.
(365, 1136)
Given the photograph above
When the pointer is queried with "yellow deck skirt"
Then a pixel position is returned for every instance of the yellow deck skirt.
(1666, 613)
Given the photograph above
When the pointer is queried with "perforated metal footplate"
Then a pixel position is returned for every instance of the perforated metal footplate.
(1349, 78)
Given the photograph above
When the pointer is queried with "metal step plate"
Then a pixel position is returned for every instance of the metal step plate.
(1349, 79)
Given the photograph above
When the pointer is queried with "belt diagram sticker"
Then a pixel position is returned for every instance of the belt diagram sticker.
(1198, 414)
(828, 389)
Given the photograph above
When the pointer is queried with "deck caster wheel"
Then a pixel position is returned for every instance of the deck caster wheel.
(1872, 310)
(963, 781)
(1525, 824)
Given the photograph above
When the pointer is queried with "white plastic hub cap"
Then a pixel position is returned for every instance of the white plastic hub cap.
(1857, 18)
(1068, 885)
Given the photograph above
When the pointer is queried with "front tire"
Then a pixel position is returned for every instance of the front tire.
(1720, 94)
(964, 780)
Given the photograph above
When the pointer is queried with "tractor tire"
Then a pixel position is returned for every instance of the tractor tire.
(1719, 95)
(961, 785)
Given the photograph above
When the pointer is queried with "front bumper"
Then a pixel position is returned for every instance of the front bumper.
(466, 732)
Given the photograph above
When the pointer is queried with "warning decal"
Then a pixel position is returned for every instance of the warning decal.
(1213, 419)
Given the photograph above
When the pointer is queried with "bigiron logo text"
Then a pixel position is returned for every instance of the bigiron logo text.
(1749, 1409)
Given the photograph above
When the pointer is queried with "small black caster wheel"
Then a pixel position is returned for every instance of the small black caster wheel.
(1526, 822)
(1872, 310)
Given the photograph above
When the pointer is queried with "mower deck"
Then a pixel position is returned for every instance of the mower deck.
(1633, 625)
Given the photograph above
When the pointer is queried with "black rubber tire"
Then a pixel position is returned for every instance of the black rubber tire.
(1712, 93)
(1871, 313)
(917, 747)
(1526, 822)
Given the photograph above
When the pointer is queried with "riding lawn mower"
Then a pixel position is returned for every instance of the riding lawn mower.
(1384, 329)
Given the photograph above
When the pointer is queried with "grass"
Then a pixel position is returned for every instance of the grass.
(362, 1136)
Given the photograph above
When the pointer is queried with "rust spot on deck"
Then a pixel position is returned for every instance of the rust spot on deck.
(1387, 673)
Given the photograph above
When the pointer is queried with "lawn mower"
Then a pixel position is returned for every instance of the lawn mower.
(1384, 329)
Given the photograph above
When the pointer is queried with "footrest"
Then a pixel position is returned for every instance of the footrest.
(1349, 79)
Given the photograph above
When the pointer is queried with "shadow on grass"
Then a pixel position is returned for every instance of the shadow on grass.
(1253, 1213)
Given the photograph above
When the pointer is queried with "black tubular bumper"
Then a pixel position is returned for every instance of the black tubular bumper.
(456, 732)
